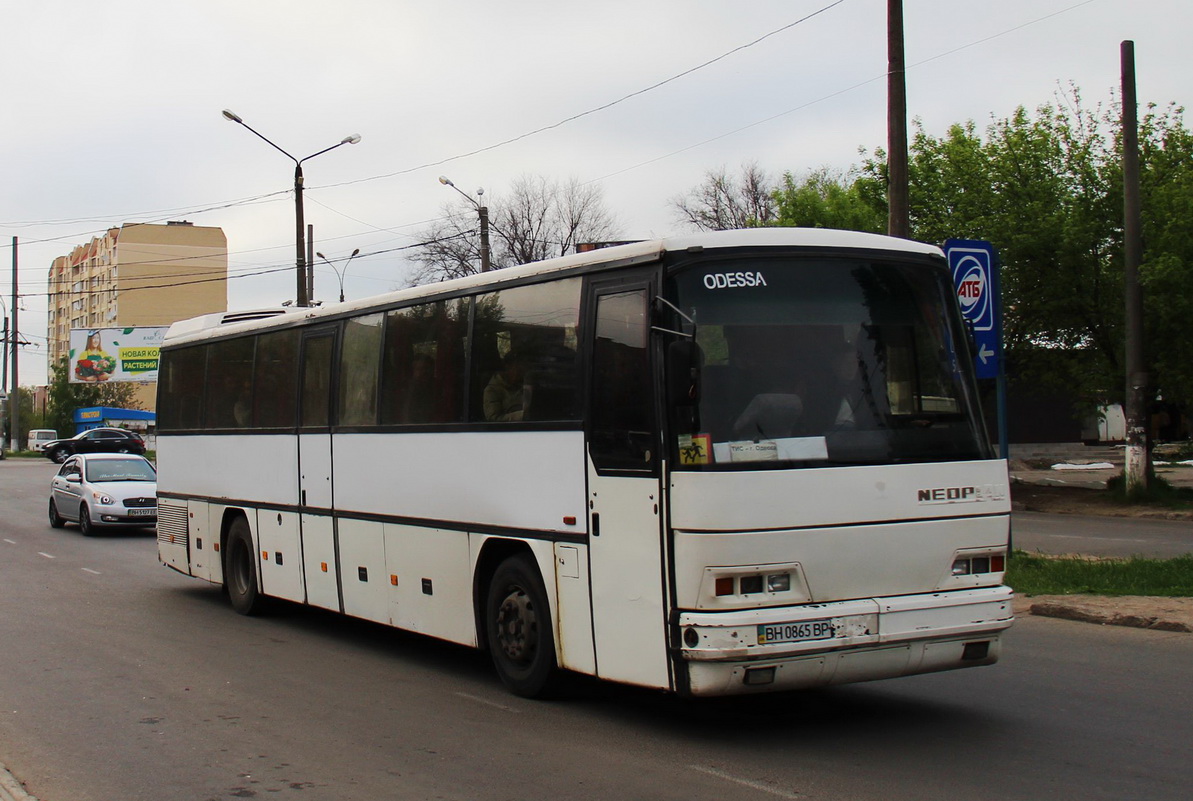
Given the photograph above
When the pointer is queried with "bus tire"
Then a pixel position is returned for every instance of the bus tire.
(518, 625)
(240, 569)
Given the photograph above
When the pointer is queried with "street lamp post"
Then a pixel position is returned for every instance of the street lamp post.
(483, 212)
(299, 223)
(340, 273)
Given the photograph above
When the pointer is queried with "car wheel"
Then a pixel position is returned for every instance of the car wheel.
(85, 524)
(59, 455)
(56, 520)
(518, 624)
(240, 569)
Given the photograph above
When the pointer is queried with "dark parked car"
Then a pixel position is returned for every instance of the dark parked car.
(97, 440)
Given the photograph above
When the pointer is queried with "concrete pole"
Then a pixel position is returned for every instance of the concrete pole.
(1136, 468)
(898, 204)
(483, 212)
(310, 264)
(299, 239)
(14, 397)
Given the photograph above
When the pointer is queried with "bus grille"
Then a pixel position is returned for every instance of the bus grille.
(171, 525)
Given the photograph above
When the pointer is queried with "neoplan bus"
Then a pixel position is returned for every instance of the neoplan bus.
(726, 463)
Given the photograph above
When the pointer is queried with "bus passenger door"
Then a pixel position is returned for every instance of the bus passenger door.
(315, 500)
(625, 525)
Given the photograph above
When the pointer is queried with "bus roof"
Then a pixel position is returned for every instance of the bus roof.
(219, 323)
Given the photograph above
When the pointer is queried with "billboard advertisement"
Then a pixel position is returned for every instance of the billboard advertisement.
(114, 354)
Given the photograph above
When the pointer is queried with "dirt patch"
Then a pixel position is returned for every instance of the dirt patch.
(1086, 501)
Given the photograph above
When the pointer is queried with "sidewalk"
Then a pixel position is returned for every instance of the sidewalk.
(1072, 464)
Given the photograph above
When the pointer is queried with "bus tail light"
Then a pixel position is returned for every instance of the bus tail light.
(979, 563)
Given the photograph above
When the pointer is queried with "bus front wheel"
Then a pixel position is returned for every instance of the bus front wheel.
(518, 625)
(240, 569)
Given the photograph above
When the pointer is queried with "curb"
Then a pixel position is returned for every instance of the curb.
(1106, 617)
(10, 788)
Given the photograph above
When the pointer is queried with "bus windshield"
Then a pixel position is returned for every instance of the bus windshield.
(813, 362)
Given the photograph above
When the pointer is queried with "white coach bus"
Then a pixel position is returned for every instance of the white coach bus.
(726, 463)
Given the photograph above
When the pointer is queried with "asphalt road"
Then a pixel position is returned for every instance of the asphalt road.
(122, 681)
(1101, 536)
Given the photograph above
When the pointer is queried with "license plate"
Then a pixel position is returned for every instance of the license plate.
(152, 512)
(795, 632)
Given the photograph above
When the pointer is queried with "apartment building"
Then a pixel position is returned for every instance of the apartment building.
(137, 275)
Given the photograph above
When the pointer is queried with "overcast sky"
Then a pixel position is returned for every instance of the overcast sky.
(112, 109)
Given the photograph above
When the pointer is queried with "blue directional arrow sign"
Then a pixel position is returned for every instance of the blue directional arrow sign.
(974, 264)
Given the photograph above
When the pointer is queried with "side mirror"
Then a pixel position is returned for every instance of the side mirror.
(685, 359)
(74, 478)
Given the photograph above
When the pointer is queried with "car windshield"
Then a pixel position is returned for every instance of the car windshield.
(120, 470)
(818, 362)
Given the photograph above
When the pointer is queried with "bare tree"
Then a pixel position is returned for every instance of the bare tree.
(722, 202)
(539, 219)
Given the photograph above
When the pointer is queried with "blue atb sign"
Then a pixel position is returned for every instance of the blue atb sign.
(974, 264)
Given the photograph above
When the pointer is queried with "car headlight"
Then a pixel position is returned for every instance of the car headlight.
(102, 499)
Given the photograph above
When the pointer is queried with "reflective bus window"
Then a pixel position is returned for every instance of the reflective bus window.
(276, 380)
(360, 355)
(622, 430)
(228, 391)
(316, 380)
(423, 363)
(524, 353)
(180, 389)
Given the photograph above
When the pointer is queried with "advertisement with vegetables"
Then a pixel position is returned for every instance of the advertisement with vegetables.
(115, 354)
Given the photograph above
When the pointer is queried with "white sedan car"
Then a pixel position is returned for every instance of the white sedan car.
(104, 489)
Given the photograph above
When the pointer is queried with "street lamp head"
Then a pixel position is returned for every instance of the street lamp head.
(232, 116)
(443, 179)
(320, 255)
(355, 253)
(350, 140)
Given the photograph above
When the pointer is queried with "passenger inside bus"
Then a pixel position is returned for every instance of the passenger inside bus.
(506, 393)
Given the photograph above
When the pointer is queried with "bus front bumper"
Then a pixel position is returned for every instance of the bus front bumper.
(764, 650)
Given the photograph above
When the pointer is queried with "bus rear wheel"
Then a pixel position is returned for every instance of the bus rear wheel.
(240, 569)
(518, 625)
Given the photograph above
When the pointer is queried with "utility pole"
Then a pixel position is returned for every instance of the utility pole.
(1135, 471)
(14, 397)
(898, 214)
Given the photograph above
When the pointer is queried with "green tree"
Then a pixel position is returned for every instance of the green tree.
(1046, 189)
(828, 199)
(65, 397)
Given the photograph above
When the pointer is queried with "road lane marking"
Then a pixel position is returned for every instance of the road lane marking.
(93, 572)
(487, 702)
(46, 555)
(10, 542)
(1094, 537)
(753, 785)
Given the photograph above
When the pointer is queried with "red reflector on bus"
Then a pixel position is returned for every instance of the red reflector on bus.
(393, 580)
(569, 520)
(323, 566)
(725, 586)
(998, 563)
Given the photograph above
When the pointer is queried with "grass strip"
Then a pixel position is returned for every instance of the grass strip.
(1035, 574)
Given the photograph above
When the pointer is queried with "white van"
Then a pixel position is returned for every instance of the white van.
(38, 437)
